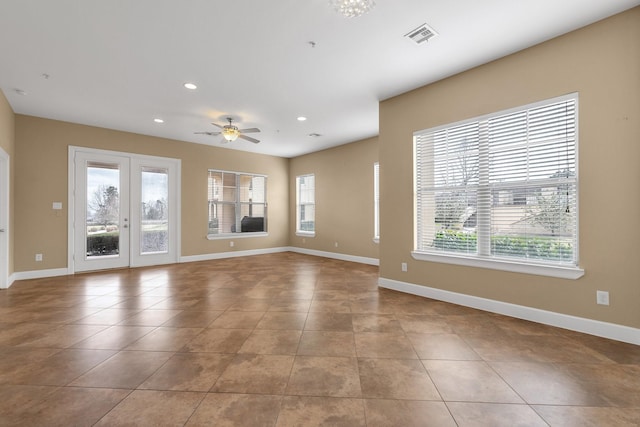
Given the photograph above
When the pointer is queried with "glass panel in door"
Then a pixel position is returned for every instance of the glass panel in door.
(103, 210)
(154, 214)
(125, 211)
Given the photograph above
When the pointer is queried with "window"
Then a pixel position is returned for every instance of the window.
(376, 201)
(305, 205)
(500, 188)
(237, 203)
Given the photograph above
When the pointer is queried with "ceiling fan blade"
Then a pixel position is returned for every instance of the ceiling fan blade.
(208, 133)
(215, 124)
(248, 138)
(250, 130)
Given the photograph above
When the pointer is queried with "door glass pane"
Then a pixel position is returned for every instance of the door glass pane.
(103, 210)
(154, 227)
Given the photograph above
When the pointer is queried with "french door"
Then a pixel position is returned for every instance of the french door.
(125, 210)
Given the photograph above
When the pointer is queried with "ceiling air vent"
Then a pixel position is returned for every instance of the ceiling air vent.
(421, 34)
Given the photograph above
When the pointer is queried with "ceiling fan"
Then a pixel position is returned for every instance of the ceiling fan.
(231, 132)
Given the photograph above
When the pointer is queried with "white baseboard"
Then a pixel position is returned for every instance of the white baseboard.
(39, 274)
(335, 255)
(234, 254)
(573, 323)
(10, 280)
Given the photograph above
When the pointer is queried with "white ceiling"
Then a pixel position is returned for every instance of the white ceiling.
(120, 63)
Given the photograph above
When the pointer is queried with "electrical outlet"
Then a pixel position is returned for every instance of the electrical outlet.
(231, 244)
(602, 297)
(404, 266)
(38, 257)
(304, 240)
(336, 244)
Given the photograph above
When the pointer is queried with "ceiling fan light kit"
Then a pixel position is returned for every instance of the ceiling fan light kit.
(231, 132)
(352, 8)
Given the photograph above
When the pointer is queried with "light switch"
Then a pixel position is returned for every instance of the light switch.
(57, 205)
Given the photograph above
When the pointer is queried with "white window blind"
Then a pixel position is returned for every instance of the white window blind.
(501, 186)
(305, 204)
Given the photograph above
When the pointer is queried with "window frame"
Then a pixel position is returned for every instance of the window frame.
(520, 265)
(299, 231)
(376, 202)
(238, 203)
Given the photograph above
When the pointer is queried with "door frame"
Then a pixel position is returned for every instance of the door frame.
(133, 158)
(5, 201)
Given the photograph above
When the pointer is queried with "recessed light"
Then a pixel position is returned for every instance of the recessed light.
(20, 92)
(314, 135)
(158, 120)
(302, 118)
(190, 86)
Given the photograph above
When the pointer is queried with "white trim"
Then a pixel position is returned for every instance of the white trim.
(335, 255)
(573, 323)
(38, 274)
(5, 219)
(10, 280)
(234, 254)
(306, 233)
(239, 173)
(173, 162)
(237, 235)
(41, 274)
(376, 202)
(71, 206)
(237, 203)
(562, 272)
(482, 258)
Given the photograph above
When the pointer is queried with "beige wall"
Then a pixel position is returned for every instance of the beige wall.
(41, 157)
(602, 63)
(344, 199)
(7, 140)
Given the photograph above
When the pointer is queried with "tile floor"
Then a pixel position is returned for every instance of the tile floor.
(291, 340)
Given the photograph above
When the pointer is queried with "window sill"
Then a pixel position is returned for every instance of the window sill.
(559, 271)
(237, 235)
(306, 233)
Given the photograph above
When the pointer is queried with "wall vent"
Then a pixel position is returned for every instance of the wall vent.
(421, 34)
